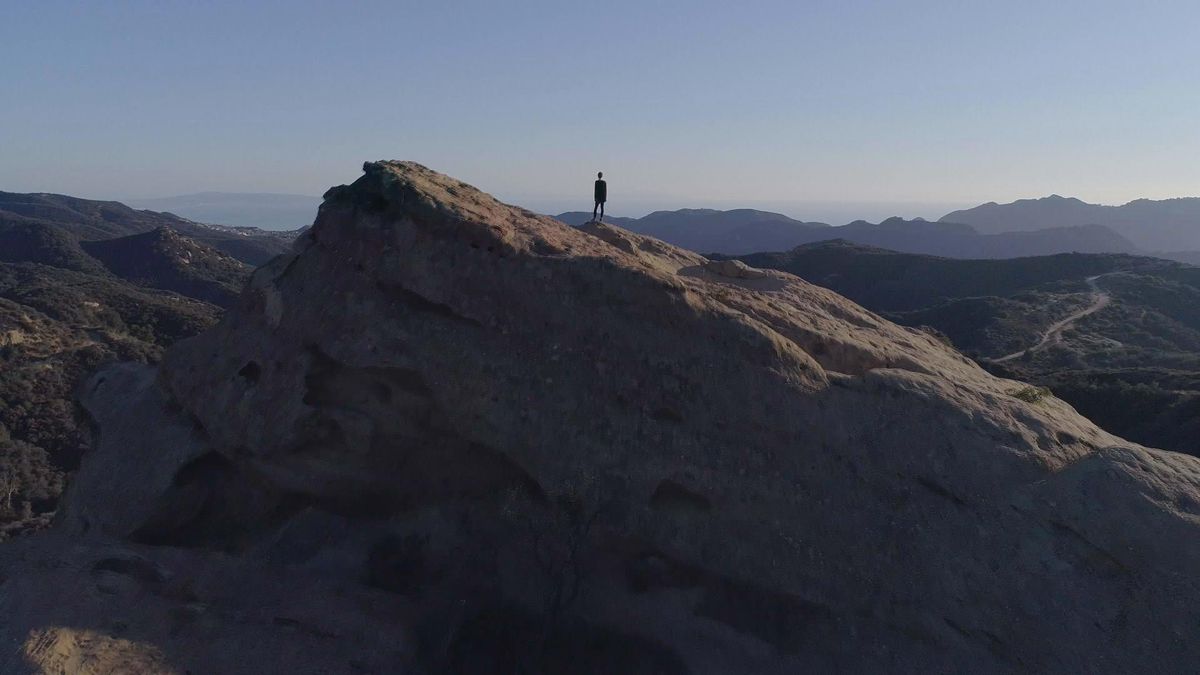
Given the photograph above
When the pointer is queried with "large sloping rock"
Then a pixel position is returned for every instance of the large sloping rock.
(787, 481)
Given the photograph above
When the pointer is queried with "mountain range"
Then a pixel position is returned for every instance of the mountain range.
(1168, 225)
(35, 218)
(744, 231)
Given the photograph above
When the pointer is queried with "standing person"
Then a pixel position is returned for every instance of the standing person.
(601, 196)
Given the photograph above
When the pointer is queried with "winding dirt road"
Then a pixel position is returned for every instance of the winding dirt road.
(1053, 334)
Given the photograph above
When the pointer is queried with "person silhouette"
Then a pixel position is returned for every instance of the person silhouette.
(601, 197)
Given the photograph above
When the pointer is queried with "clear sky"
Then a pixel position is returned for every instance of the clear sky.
(771, 104)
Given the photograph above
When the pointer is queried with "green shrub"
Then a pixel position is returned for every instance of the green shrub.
(1031, 394)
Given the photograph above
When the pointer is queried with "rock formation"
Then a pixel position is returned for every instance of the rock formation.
(450, 435)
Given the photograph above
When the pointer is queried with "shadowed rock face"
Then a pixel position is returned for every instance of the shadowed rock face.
(722, 470)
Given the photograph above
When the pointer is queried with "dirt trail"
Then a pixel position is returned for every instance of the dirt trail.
(1053, 334)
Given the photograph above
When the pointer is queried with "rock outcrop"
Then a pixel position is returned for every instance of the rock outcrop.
(447, 434)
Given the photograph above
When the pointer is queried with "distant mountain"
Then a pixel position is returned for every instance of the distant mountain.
(84, 218)
(48, 219)
(268, 211)
(735, 231)
(744, 231)
(1164, 225)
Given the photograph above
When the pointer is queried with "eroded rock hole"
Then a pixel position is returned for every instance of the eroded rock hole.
(665, 414)
(672, 496)
(250, 372)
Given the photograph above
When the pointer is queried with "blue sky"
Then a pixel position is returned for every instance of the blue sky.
(785, 105)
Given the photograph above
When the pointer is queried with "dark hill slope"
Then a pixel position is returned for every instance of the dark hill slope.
(85, 218)
(27, 240)
(166, 260)
(889, 280)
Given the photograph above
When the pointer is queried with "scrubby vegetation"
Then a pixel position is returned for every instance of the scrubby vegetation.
(898, 282)
(56, 326)
(1030, 394)
(82, 283)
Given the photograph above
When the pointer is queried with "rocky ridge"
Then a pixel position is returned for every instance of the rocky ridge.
(480, 438)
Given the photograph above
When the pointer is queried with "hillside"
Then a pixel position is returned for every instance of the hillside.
(162, 258)
(26, 240)
(723, 469)
(1130, 365)
(1162, 225)
(166, 260)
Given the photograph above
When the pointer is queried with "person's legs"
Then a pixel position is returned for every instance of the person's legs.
(601, 210)
(594, 210)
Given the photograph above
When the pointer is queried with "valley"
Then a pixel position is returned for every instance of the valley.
(1116, 336)
(1053, 334)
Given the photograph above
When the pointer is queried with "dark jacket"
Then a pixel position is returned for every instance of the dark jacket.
(601, 191)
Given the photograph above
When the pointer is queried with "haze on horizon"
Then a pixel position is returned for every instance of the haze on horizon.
(776, 105)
